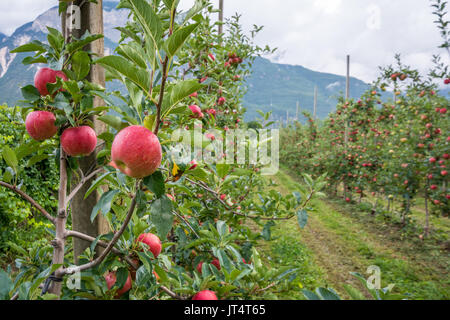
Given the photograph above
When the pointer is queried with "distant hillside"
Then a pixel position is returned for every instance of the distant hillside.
(272, 86)
(278, 87)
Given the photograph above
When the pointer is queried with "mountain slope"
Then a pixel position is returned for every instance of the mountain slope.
(272, 86)
(278, 87)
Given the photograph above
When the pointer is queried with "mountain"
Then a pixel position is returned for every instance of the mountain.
(279, 87)
(272, 86)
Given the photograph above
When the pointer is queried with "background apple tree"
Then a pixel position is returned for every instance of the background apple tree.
(188, 229)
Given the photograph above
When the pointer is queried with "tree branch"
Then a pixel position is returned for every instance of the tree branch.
(29, 199)
(81, 184)
(113, 242)
(172, 294)
(161, 95)
(82, 236)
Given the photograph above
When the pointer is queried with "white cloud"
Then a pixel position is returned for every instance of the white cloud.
(14, 13)
(316, 34)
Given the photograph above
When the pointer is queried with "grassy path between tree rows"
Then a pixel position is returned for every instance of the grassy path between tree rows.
(340, 239)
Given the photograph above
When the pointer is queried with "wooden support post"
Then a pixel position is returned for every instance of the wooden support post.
(92, 21)
(220, 16)
(315, 102)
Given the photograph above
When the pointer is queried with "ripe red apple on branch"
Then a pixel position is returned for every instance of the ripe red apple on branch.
(136, 151)
(152, 241)
(205, 295)
(40, 125)
(111, 280)
(79, 141)
(44, 76)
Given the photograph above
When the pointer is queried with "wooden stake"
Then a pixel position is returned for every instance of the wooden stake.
(221, 16)
(92, 20)
(315, 102)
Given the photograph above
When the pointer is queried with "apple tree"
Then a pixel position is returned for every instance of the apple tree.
(180, 228)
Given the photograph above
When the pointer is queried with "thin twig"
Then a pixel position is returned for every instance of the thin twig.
(172, 294)
(186, 222)
(29, 199)
(82, 236)
(83, 181)
(161, 95)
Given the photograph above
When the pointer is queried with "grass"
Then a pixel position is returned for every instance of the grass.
(341, 238)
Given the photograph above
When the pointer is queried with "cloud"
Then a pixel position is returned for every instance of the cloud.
(315, 34)
(14, 13)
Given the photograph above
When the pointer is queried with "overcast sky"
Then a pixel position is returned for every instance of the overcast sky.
(316, 34)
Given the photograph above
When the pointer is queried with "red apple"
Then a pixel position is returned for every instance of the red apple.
(136, 151)
(444, 173)
(199, 267)
(193, 164)
(196, 111)
(433, 187)
(40, 125)
(152, 241)
(216, 263)
(223, 197)
(44, 76)
(221, 101)
(111, 280)
(79, 141)
(211, 112)
(205, 295)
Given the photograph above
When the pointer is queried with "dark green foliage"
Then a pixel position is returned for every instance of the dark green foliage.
(19, 222)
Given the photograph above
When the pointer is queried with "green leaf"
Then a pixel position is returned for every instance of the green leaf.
(142, 276)
(104, 204)
(5, 285)
(30, 47)
(223, 259)
(133, 52)
(197, 8)
(302, 218)
(136, 74)
(222, 170)
(81, 64)
(327, 294)
(30, 93)
(8, 175)
(147, 18)
(310, 295)
(113, 121)
(178, 93)
(82, 42)
(32, 60)
(161, 216)
(266, 232)
(222, 228)
(96, 183)
(155, 183)
(178, 38)
(37, 158)
(10, 158)
(26, 149)
(354, 293)
(62, 103)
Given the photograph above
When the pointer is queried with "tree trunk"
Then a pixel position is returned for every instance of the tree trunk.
(91, 20)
